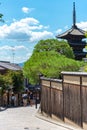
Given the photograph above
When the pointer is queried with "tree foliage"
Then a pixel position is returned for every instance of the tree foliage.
(49, 58)
(14, 79)
(1, 18)
(61, 47)
(3, 82)
(49, 64)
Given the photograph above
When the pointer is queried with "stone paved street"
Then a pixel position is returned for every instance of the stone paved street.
(27, 118)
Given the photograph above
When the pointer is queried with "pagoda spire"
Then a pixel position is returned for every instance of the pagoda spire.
(74, 15)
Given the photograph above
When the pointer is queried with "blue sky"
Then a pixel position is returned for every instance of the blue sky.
(28, 21)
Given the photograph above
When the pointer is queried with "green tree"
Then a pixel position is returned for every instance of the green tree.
(49, 64)
(1, 18)
(16, 80)
(61, 47)
(4, 82)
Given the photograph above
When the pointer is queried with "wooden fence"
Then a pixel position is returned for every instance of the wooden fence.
(52, 95)
(66, 98)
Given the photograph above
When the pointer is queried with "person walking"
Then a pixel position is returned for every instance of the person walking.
(5, 99)
(13, 100)
(24, 97)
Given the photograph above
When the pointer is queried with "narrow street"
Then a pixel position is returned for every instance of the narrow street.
(27, 118)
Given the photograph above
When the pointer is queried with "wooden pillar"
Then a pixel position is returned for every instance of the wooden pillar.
(63, 95)
(81, 101)
(50, 101)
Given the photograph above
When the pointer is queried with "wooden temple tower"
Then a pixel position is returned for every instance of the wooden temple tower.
(74, 37)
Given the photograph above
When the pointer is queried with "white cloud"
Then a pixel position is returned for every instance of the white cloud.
(6, 47)
(66, 27)
(21, 53)
(35, 36)
(59, 31)
(17, 35)
(82, 25)
(27, 10)
(24, 30)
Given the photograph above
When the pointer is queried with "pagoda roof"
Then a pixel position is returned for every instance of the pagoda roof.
(74, 31)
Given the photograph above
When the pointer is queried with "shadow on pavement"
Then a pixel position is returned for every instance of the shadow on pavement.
(3, 109)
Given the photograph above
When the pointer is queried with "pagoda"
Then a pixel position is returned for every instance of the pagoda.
(74, 37)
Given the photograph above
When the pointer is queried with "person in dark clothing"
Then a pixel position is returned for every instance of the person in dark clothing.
(31, 98)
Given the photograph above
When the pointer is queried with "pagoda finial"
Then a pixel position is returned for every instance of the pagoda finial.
(74, 15)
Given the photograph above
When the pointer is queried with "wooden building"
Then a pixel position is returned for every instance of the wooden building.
(5, 66)
(74, 37)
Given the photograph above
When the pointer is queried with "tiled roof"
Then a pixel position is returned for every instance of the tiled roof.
(9, 66)
(75, 31)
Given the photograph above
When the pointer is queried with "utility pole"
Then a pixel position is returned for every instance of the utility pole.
(13, 53)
